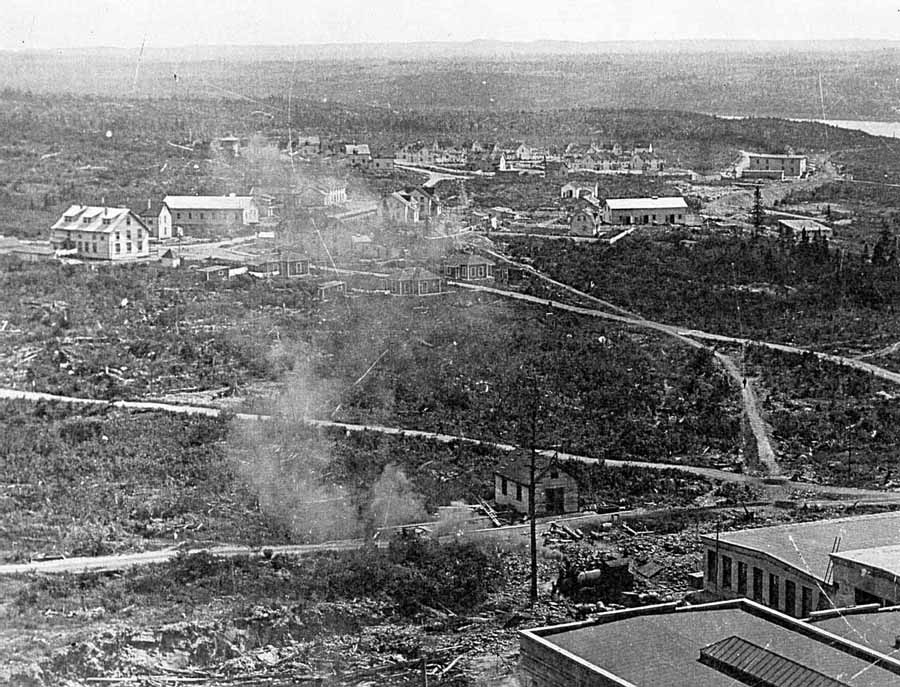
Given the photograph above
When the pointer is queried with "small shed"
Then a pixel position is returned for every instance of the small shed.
(331, 289)
(170, 259)
(555, 489)
(215, 272)
(584, 222)
(413, 281)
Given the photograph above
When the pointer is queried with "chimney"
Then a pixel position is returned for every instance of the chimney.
(148, 203)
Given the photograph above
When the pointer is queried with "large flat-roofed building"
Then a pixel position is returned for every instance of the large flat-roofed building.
(726, 644)
(804, 567)
(788, 165)
(876, 628)
(867, 576)
(668, 210)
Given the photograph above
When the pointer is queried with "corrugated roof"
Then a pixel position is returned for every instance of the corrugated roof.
(208, 202)
(665, 203)
(98, 219)
(750, 663)
(806, 546)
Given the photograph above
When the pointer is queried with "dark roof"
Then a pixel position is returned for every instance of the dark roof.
(662, 646)
(519, 469)
(152, 211)
(752, 664)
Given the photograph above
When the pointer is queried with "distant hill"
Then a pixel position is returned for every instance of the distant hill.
(483, 48)
(831, 79)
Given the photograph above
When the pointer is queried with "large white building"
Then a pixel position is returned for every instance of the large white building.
(206, 213)
(655, 210)
(101, 233)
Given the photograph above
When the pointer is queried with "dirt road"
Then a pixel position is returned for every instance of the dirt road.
(111, 563)
(765, 452)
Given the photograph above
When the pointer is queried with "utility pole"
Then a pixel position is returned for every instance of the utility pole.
(531, 493)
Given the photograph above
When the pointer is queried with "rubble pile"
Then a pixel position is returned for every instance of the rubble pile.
(326, 643)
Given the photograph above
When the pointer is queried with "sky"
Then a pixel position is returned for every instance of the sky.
(49, 24)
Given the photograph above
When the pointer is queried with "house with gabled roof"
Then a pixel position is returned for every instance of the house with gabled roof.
(413, 281)
(207, 213)
(555, 487)
(358, 154)
(101, 233)
(149, 215)
(308, 145)
(399, 207)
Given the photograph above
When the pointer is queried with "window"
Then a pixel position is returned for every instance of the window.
(201, 216)
(726, 572)
(554, 473)
(712, 568)
(790, 597)
(128, 247)
(86, 220)
(190, 215)
(742, 578)
(518, 492)
(503, 486)
(757, 585)
(128, 220)
(107, 220)
(118, 248)
(805, 602)
(177, 215)
(773, 590)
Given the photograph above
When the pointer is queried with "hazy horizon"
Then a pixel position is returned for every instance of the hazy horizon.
(170, 24)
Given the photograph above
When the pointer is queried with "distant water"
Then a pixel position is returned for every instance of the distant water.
(889, 129)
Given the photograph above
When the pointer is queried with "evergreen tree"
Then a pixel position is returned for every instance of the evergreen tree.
(757, 209)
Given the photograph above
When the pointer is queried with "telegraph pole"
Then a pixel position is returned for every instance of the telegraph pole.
(531, 493)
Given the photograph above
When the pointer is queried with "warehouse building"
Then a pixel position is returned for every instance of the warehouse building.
(655, 210)
(805, 567)
(723, 644)
(761, 164)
